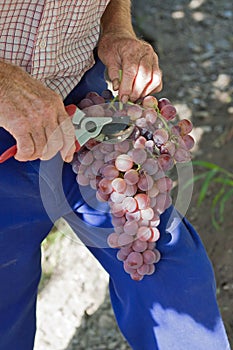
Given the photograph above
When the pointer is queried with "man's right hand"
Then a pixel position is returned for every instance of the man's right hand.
(35, 116)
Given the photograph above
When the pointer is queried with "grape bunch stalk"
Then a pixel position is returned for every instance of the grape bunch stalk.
(132, 176)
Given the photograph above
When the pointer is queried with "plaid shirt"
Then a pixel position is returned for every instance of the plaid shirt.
(53, 40)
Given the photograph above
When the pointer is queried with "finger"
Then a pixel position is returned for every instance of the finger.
(54, 140)
(129, 72)
(25, 147)
(142, 79)
(113, 74)
(155, 84)
(68, 135)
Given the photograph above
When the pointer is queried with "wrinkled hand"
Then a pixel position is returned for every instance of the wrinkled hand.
(35, 116)
(136, 58)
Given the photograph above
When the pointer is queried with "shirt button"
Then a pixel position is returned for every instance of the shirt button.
(42, 44)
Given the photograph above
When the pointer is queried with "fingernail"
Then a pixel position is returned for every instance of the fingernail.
(115, 84)
(125, 98)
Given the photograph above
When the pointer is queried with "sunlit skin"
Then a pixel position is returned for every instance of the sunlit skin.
(35, 115)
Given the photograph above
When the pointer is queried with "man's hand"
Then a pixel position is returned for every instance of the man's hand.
(35, 116)
(137, 60)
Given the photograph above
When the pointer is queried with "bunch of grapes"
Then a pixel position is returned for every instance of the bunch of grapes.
(132, 176)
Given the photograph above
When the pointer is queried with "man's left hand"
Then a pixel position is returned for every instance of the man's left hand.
(138, 62)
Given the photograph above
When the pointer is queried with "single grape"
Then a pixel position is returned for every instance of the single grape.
(124, 162)
(134, 260)
(168, 112)
(129, 204)
(134, 112)
(139, 156)
(139, 246)
(163, 102)
(119, 185)
(144, 233)
(94, 111)
(188, 141)
(125, 239)
(112, 240)
(145, 182)
(185, 126)
(143, 200)
(149, 257)
(131, 177)
(150, 102)
(182, 155)
(143, 270)
(150, 166)
(84, 103)
(131, 227)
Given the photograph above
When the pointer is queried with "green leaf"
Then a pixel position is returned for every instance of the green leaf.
(206, 184)
(224, 181)
(214, 206)
(223, 201)
(192, 180)
(209, 165)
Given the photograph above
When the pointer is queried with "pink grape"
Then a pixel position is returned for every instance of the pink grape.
(166, 162)
(82, 180)
(129, 204)
(164, 184)
(150, 115)
(94, 111)
(139, 156)
(131, 177)
(131, 190)
(155, 234)
(131, 227)
(110, 172)
(168, 112)
(128, 268)
(188, 141)
(182, 155)
(113, 240)
(117, 197)
(150, 102)
(185, 126)
(122, 146)
(147, 214)
(125, 239)
(143, 270)
(151, 269)
(134, 260)
(160, 137)
(134, 112)
(105, 186)
(86, 102)
(145, 182)
(150, 166)
(149, 257)
(136, 276)
(140, 142)
(124, 162)
(133, 216)
(139, 246)
(163, 102)
(143, 200)
(119, 185)
(144, 233)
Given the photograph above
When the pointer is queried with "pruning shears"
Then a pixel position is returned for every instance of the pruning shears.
(102, 128)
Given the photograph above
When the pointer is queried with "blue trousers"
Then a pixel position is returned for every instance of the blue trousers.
(175, 308)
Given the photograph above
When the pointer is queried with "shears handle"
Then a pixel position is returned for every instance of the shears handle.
(10, 152)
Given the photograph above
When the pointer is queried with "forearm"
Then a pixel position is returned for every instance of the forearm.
(117, 18)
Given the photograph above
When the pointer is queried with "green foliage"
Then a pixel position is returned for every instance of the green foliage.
(214, 174)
